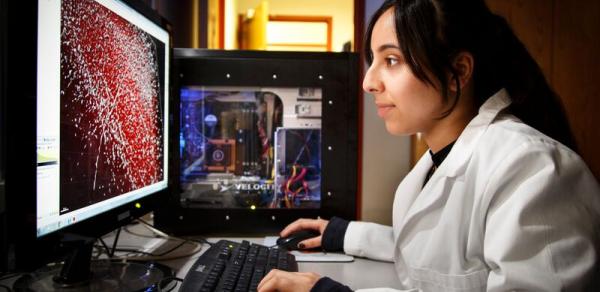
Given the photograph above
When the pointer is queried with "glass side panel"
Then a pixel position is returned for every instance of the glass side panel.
(245, 147)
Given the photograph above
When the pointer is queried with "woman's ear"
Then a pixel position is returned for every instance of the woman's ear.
(463, 64)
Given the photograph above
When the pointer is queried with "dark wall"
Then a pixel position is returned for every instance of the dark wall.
(3, 243)
(2, 91)
(180, 14)
(563, 37)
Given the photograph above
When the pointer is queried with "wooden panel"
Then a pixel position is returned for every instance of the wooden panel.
(532, 23)
(418, 147)
(501, 7)
(562, 36)
(576, 71)
(531, 20)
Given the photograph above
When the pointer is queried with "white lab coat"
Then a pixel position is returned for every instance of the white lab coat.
(508, 209)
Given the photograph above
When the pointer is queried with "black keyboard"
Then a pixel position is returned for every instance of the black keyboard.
(234, 266)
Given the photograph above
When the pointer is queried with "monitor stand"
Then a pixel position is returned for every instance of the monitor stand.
(80, 273)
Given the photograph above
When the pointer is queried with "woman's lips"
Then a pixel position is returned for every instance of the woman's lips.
(383, 109)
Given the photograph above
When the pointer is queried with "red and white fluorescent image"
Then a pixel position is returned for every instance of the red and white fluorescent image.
(111, 109)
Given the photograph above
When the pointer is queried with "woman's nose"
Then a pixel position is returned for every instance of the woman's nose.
(371, 83)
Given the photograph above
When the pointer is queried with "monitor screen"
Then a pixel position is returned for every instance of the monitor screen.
(102, 109)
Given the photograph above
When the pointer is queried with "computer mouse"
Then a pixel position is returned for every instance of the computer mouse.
(291, 241)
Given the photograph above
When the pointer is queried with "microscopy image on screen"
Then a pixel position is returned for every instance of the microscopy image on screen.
(250, 148)
(111, 133)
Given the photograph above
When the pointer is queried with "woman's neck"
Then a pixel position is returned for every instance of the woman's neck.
(448, 129)
(441, 136)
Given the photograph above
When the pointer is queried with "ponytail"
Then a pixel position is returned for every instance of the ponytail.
(504, 62)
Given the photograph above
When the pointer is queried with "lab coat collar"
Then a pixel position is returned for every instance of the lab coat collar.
(462, 149)
(411, 203)
(468, 139)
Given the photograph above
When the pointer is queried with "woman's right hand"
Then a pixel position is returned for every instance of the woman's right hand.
(302, 224)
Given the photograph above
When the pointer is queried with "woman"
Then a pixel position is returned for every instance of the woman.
(500, 203)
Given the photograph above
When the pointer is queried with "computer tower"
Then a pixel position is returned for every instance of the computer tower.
(264, 137)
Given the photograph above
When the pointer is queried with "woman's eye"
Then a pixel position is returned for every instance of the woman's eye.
(391, 61)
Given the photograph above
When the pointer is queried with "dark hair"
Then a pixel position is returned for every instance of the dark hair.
(432, 32)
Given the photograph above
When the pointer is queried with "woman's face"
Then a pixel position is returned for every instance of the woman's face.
(406, 104)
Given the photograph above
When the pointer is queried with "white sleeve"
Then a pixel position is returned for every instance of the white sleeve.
(369, 240)
(542, 223)
(386, 290)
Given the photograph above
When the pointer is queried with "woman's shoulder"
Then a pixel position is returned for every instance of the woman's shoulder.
(511, 134)
(512, 154)
(508, 144)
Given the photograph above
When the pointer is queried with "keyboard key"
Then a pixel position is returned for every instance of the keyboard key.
(235, 266)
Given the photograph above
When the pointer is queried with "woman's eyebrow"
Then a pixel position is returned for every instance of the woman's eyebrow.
(387, 46)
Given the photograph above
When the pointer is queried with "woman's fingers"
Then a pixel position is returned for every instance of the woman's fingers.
(310, 243)
(282, 281)
(267, 281)
(300, 224)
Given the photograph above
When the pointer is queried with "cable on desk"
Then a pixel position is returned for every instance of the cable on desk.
(126, 228)
(114, 246)
(8, 276)
(158, 284)
(155, 257)
(111, 252)
(200, 240)
(152, 228)
(99, 250)
(160, 233)
(197, 249)
(150, 256)
(107, 250)
(131, 250)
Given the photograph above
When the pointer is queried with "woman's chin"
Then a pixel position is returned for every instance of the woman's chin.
(397, 130)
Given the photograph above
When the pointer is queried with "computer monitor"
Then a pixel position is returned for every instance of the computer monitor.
(87, 122)
(264, 138)
(3, 243)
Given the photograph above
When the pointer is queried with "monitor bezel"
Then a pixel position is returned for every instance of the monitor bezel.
(340, 124)
(27, 250)
(3, 72)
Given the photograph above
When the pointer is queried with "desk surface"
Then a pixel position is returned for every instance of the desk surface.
(361, 273)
